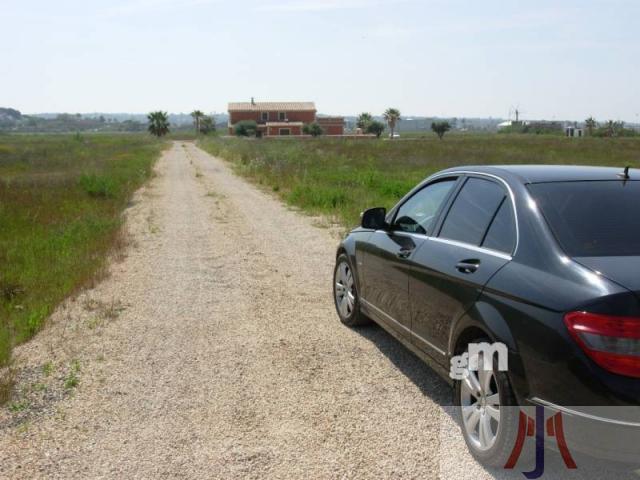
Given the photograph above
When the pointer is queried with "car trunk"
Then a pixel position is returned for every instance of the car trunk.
(625, 271)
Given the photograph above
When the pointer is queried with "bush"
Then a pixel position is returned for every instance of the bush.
(99, 186)
(376, 128)
(207, 125)
(246, 128)
(312, 129)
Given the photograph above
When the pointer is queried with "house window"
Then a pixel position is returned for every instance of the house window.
(285, 131)
(282, 116)
(264, 116)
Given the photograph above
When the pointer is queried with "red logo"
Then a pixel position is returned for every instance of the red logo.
(528, 427)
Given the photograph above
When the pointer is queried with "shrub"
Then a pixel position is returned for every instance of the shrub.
(376, 128)
(312, 129)
(99, 186)
(246, 128)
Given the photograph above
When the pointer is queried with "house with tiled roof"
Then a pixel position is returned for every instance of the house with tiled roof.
(281, 118)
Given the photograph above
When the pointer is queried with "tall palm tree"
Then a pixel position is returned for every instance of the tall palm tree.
(197, 116)
(591, 125)
(158, 123)
(363, 120)
(392, 116)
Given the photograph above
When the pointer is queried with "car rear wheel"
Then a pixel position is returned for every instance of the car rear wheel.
(487, 410)
(345, 293)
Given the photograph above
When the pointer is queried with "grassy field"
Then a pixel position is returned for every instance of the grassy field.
(340, 177)
(61, 199)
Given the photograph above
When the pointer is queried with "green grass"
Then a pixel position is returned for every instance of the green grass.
(61, 199)
(342, 177)
(72, 380)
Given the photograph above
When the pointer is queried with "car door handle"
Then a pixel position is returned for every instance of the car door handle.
(404, 253)
(468, 266)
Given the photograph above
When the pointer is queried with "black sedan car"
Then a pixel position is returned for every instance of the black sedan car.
(544, 260)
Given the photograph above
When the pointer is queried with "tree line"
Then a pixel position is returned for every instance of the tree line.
(367, 124)
(610, 128)
(159, 123)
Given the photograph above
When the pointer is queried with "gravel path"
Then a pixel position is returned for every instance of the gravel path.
(212, 350)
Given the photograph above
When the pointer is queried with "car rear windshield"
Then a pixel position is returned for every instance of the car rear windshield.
(592, 219)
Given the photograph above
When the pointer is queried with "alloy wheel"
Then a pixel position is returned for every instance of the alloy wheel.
(345, 292)
(480, 405)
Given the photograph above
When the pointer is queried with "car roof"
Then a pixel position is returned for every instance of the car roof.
(550, 173)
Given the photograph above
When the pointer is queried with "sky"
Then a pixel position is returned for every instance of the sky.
(480, 58)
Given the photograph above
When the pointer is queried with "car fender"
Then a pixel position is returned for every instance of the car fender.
(484, 316)
(348, 246)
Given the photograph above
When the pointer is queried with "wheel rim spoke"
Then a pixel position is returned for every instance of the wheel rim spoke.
(493, 399)
(472, 420)
(343, 306)
(467, 410)
(467, 389)
(484, 378)
(473, 384)
(493, 412)
(350, 300)
(344, 273)
(486, 435)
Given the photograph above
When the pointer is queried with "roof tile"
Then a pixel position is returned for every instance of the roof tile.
(271, 106)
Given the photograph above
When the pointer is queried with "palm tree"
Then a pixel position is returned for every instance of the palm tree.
(158, 123)
(392, 116)
(197, 116)
(591, 125)
(363, 120)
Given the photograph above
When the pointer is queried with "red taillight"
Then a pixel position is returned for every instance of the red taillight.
(612, 342)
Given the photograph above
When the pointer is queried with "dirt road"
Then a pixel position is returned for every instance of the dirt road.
(212, 351)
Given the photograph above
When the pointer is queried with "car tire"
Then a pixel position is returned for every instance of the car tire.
(494, 454)
(345, 293)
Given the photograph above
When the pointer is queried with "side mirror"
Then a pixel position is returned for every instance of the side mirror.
(374, 219)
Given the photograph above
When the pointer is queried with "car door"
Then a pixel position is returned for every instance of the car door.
(388, 255)
(476, 238)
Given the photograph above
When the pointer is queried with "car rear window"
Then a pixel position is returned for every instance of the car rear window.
(592, 219)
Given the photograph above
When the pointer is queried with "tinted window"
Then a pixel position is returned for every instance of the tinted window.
(418, 214)
(472, 211)
(501, 235)
(592, 219)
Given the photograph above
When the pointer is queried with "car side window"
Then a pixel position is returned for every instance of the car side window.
(501, 235)
(418, 214)
(473, 211)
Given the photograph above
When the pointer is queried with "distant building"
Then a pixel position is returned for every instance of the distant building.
(282, 118)
(572, 131)
(331, 125)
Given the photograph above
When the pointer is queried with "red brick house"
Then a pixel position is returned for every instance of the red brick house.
(331, 125)
(281, 118)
